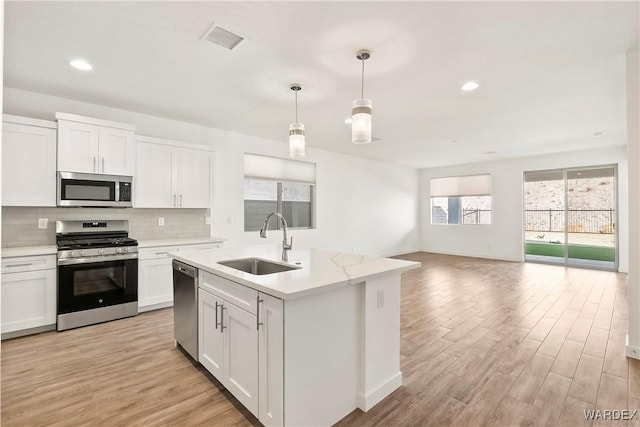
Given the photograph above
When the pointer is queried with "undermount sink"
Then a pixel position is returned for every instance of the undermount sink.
(257, 266)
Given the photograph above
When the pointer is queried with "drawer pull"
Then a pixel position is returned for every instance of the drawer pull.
(161, 253)
(19, 265)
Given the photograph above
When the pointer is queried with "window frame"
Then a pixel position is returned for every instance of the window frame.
(472, 191)
(280, 203)
(460, 216)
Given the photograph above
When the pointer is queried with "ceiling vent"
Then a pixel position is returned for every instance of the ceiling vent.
(223, 37)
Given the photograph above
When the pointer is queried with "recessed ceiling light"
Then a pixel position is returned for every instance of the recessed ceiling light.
(598, 134)
(348, 121)
(453, 141)
(81, 64)
(490, 152)
(469, 86)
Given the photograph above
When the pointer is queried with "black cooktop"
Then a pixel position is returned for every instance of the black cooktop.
(84, 242)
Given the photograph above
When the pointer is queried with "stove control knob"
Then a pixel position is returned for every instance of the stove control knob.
(73, 254)
(100, 251)
(125, 250)
(118, 250)
(83, 253)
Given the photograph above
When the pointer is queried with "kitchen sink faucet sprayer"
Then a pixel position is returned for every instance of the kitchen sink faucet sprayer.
(286, 245)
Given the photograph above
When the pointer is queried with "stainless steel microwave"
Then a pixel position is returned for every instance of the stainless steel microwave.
(94, 190)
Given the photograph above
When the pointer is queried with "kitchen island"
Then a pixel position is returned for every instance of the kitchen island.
(305, 346)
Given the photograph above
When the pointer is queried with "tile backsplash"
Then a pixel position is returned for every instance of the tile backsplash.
(20, 224)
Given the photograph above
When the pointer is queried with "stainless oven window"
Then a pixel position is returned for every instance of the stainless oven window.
(97, 284)
(99, 280)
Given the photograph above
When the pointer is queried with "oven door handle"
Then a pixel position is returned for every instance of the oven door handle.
(97, 259)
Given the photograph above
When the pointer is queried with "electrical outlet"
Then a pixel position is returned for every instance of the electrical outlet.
(161, 221)
(42, 223)
(207, 220)
(380, 295)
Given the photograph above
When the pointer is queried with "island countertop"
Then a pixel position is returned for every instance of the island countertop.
(320, 270)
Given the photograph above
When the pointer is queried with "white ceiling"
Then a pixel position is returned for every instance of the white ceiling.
(551, 73)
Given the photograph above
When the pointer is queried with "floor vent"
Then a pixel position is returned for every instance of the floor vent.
(223, 37)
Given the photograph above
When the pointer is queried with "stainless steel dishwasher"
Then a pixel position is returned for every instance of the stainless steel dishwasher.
(185, 307)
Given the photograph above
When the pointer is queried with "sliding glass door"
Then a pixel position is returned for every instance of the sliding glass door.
(570, 217)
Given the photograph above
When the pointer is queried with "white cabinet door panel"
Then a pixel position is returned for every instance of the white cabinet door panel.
(155, 282)
(195, 178)
(117, 151)
(210, 338)
(78, 147)
(271, 361)
(28, 165)
(241, 356)
(154, 186)
(28, 300)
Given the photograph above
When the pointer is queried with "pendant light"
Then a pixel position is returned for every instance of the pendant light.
(361, 112)
(296, 130)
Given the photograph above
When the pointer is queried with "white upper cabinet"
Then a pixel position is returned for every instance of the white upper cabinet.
(195, 178)
(117, 151)
(154, 184)
(28, 162)
(89, 145)
(172, 175)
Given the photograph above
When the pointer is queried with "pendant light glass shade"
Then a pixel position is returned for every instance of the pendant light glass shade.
(296, 140)
(361, 111)
(296, 130)
(361, 121)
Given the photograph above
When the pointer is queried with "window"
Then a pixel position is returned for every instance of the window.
(461, 200)
(278, 185)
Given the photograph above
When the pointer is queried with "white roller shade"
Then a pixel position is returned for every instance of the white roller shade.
(475, 185)
(276, 168)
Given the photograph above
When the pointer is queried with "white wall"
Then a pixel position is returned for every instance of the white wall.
(633, 147)
(363, 206)
(503, 239)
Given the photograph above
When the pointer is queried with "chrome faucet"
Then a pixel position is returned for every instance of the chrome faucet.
(286, 245)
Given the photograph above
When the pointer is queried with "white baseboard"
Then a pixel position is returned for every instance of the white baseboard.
(632, 351)
(371, 399)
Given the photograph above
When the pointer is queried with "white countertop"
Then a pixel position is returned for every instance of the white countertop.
(321, 270)
(153, 243)
(28, 251)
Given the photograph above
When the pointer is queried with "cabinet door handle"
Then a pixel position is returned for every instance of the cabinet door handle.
(258, 322)
(181, 200)
(222, 327)
(174, 200)
(103, 165)
(94, 163)
(19, 265)
(161, 253)
(217, 324)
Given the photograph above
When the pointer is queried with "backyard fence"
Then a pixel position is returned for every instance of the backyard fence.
(476, 216)
(601, 221)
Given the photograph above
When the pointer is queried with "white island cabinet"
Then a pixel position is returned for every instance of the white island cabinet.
(305, 346)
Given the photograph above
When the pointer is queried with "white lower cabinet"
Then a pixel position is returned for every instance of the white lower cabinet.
(243, 349)
(155, 275)
(270, 361)
(28, 293)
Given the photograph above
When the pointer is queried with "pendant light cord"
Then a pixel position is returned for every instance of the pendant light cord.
(362, 93)
(296, 106)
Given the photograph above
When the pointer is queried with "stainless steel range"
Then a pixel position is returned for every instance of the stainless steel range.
(97, 272)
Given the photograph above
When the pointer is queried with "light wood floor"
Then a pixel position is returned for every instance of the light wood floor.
(483, 343)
